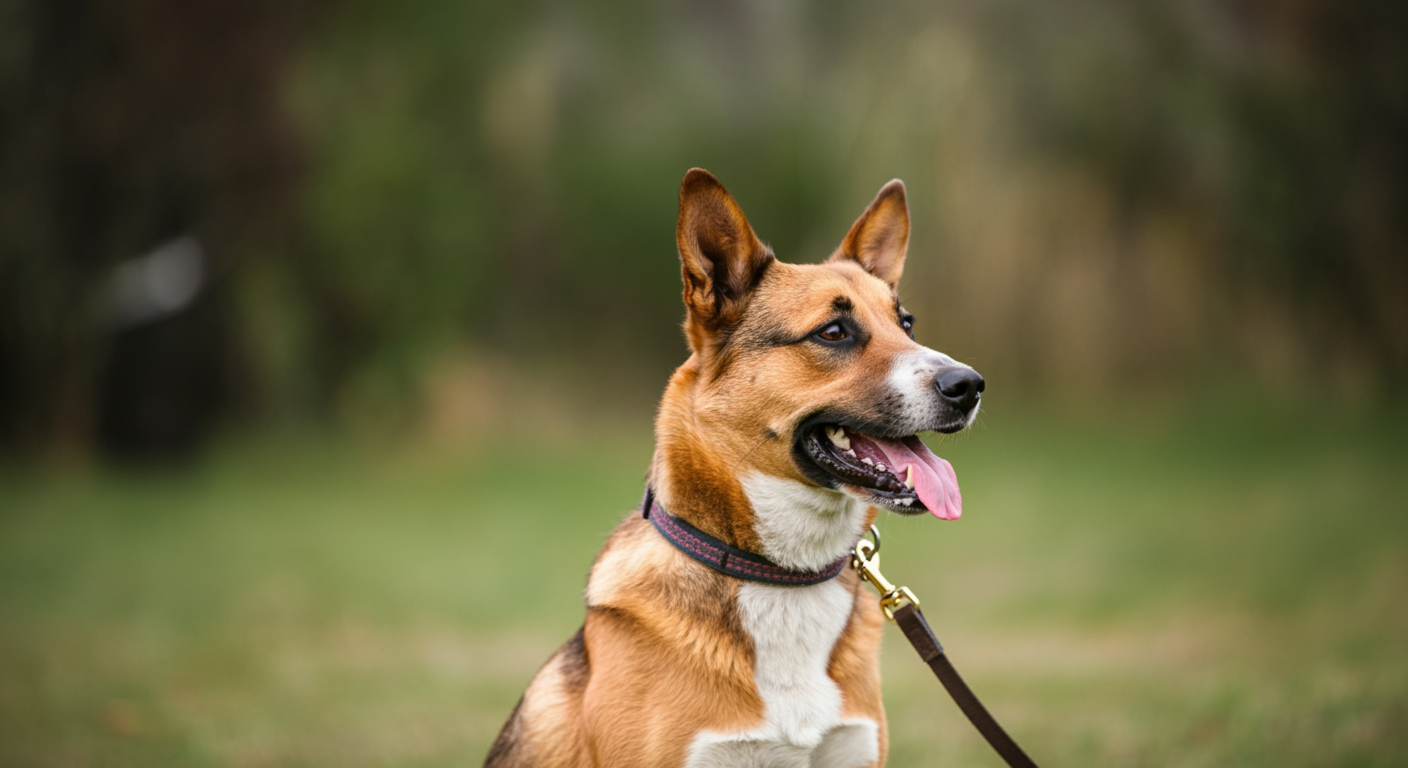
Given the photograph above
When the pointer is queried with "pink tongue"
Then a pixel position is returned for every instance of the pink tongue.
(934, 478)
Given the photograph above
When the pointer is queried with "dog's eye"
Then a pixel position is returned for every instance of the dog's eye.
(908, 325)
(833, 332)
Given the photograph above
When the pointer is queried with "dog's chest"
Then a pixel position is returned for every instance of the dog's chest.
(794, 630)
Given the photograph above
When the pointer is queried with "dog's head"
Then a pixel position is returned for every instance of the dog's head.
(810, 373)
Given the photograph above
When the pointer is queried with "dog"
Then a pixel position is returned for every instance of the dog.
(722, 626)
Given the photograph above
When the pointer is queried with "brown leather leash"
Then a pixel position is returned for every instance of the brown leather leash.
(902, 607)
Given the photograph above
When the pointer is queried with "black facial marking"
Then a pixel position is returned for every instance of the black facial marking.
(752, 337)
(778, 338)
(889, 410)
(856, 336)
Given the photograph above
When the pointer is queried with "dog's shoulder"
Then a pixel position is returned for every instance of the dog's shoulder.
(640, 579)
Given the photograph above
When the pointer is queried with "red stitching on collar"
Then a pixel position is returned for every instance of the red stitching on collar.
(729, 560)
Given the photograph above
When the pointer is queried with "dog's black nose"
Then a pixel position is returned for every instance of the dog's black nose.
(960, 387)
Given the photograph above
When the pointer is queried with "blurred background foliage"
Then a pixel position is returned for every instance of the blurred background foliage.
(383, 294)
(400, 201)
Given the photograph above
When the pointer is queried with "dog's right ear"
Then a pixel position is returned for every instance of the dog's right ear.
(721, 258)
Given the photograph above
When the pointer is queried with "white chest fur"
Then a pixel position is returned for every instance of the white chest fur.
(794, 630)
(802, 526)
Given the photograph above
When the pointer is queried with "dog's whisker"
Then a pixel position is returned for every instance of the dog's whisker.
(759, 444)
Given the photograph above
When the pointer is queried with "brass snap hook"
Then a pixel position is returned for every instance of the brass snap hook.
(865, 558)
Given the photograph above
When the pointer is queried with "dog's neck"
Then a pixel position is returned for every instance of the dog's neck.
(700, 472)
(697, 487)
(690, 471)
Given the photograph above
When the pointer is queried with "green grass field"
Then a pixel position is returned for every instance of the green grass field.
(1131, 591)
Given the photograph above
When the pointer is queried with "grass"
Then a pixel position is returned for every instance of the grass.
(1133, 591)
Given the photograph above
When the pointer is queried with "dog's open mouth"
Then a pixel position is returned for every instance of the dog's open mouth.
(900, 474)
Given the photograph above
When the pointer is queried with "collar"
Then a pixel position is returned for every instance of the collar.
(726, 559)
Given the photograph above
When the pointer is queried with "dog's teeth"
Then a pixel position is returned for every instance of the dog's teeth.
(905, 501)
(850, 453)
(881, 467)
(909, 477)
(839, 438)
(867, 461)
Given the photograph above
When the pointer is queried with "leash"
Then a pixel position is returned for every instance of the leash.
(899, 604)
(902, 607)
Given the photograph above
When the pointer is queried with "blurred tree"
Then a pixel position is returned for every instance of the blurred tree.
(1108, 197)
(125, 123)
(1279, 130)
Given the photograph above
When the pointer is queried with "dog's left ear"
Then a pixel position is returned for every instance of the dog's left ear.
(880, 237)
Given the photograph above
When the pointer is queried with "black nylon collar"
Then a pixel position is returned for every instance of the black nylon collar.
(727, 559)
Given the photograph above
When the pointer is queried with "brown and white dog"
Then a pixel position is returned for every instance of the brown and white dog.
(792, 421)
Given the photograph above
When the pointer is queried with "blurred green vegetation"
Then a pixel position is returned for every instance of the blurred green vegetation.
(1108, 198)
(1133, 590)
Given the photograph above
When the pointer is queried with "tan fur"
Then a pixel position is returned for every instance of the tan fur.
(663, 655)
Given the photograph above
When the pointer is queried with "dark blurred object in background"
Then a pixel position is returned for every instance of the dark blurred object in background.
(1109, 199)
(161, 384)
(124, 124)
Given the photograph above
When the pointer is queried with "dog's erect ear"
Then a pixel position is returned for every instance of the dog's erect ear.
(880, 237)
(720, 257)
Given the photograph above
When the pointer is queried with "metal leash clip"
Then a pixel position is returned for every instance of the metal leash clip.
(865, 558)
